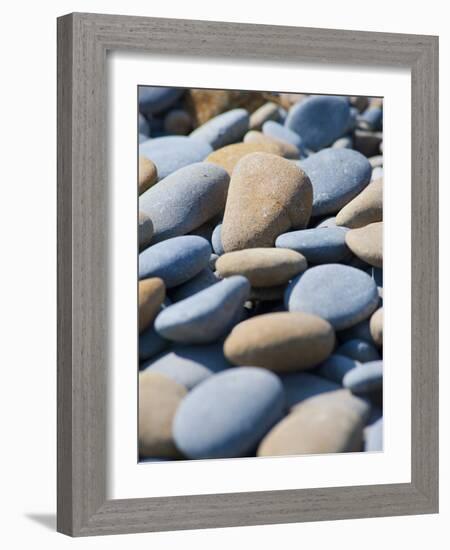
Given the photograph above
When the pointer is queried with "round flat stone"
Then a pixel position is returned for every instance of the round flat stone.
(268, 195)
(337, 176)
(145, 230)
(282, 133)
(302, 385)
(223, 129)
(205, 316)
(341, 294)
(176, 260)
(365, 208)
(359, 350)
(203, 280)
(154, 99)
(336, 367)
(282, 342)
(148, 175)
(367, 243)
(288, 150)
(227, 157)
(365, 378)
(376, 327)
(152, 293)
(185, 200)
(228, 414)
(319, 120)
(263, 267)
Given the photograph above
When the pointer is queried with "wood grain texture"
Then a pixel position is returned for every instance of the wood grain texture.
(83, 206)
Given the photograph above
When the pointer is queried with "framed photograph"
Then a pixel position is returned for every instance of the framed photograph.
(247, 274)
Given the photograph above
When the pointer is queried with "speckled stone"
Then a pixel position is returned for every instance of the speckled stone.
(228, 413)
(283, 133)
(268, 111)
(302, 385)
(376, 327)
(152, 293)
(216, 240)
(176, 260)
(159, 398)
(336, 367)
(341, 294)
(282, 342)
(223, 129)
(337, 176)
(178, 122)
(268, 195)
(148, 174)
(204, 279)
(151, 344)
(185, 200)
(263, 267)
(319, 120)
(155, 99)
(359, 350)
(373, 437)
(365, 208)
(367, 243)
(145, 230)
(318, 245)
(364, 378)
(331, 422)
(227, 157)
(288, 150)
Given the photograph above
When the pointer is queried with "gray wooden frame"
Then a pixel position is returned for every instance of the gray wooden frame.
(83, 41)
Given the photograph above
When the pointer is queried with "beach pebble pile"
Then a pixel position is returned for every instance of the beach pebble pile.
(260, 274)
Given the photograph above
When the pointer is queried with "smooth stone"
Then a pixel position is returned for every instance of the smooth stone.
(345, 142)
(373, 437)
(331, 422)
(318, 245)
(263, 267)
(216, 240)
(336, 367)
(170, 153)
(365, 378)
(282, 342)
(371, 119)
(360, 331)
(366, 142)
(152, 293)
(367, 243)
(176, 260)
(145, 230)
(148, 174)
(359, 350)
(190, 365)
(185, 200)
(341, 294)
(151, 344)
(178, 122)
(267, 196)
(365, 208)
(159, 398)
(223, 129)
(302, 385)
(337, 176)
(329, 221)
(155, 99)
(319, 120)
(377, 173)
(268, 111)
(143, 125)
(227, 157)
(282, 133)
(288, 150)
(228, 414)
(205, 316)
(376, 327)
(204, 279)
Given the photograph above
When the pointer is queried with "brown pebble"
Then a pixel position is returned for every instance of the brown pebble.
(230, 155)
(178, 122)
(367, 243)
(288, 150)
(268, 111)
(152, 293)
(147, 174)
(365, 208)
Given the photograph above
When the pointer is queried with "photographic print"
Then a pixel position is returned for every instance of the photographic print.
(260, 260)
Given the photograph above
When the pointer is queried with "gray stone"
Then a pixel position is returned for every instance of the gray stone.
(336, 367)
(365, 378)
(216, 240)
(151, 344)
(154, 99)
(223, 129)
(373, 437)
(278, 131)
(359, 350)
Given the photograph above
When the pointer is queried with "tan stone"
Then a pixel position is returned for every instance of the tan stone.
(268, 111)
(332, 422)
(152, 293)
(267, 196)
(263, 267)
(367, 243)
(288, 150)
(147, 174)
(159, 398)
(228, 156)
(365, 208)
(376, 327)
(281, 342)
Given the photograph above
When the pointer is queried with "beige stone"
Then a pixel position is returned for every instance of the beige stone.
(281, 342)
(228, 156)
(365, 208)
(147, 174)
(152, 293)
(367, 243)
(376, 327)
(268, 111)
(267, 196)
(159, 398)
(288, 150)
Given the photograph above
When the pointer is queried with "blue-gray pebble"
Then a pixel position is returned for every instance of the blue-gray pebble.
(278, 131)
(144, 126)
(229, 413)
(336, 367)
(373, 437)
(151, 344)
(360, 350)
(302, 385)
(340, 294)
(216, 240)
(223, 129)
(365, 378)
(176, 260)
(155, 99)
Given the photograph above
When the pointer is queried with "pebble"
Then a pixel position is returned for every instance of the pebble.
(337, 176)
(178, 122)
(318, 245)
(145, 230)
(268, 195)
(331, 422)
(365, 378)
(282, 342)
(319, 120)
(223, 129)
(159, 398)
(151, 344)
(185, 200)
(336, 367)
(216, 240)
(204, 279)
(205, 316)
(371, 119)
(367, 243)
(341, 294)
(365, 208)
(328, 221)
(170, 153)
(263, 267)
(302, 385)
(144, 126)
(227, 157)
(228, 414)
(212, 261)
(154, 99)
(376, 327)
(376, 161)
(148, 174)
(377, 173)
(359, 350)
(373, 437)
(287, 150)
(152, 293)
(268, 111)
(345, 142)
(282, 133)
(175, 260)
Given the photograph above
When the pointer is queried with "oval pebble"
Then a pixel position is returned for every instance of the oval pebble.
(367, 243)
(223, 129)
(148, 174)
(302, 385)
(216, 240)
(268, 111)
(154, 99)
(365, 378)
(288, 150)
(365, 208)
(336, 367)
(145, 230)
(228, 414)
(282, 133)
(282, 342)
(176, 260)
(359, 350)
(341, 294)
(376, 327)
(152, 293)
(185, 200)
(227, 157)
